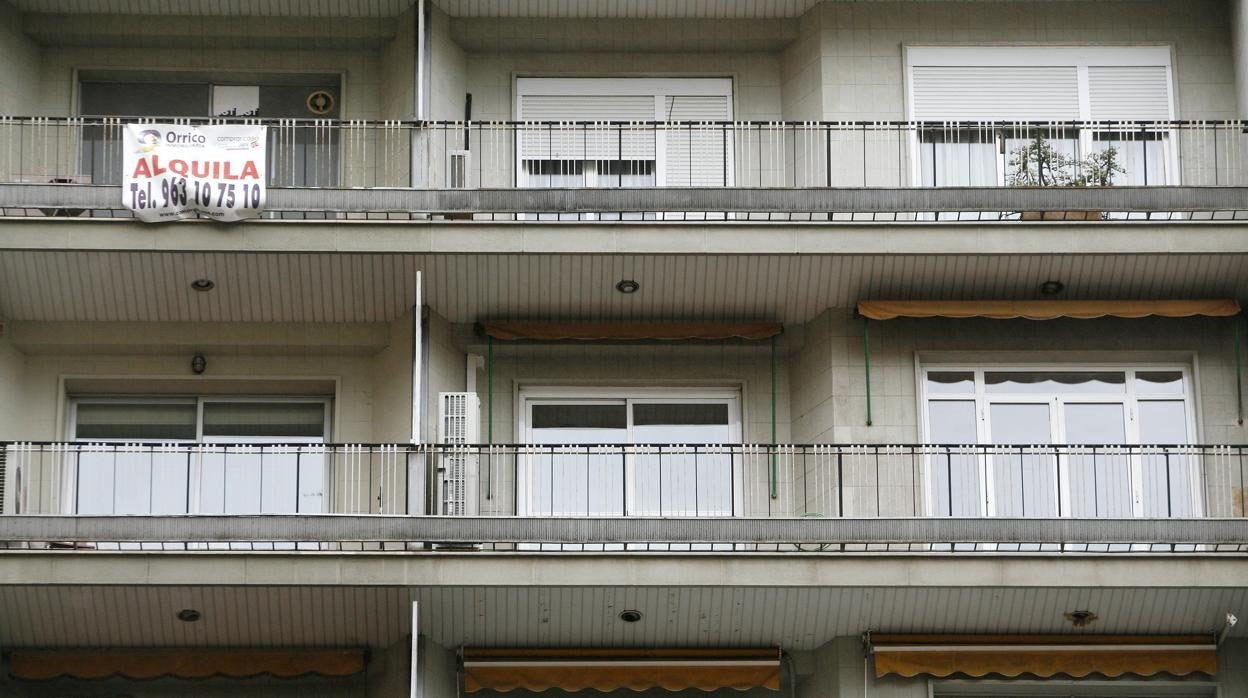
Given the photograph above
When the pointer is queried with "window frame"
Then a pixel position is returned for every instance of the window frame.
(528, 396)
(658, 88)
(1080, 57)
(1130, 398)
(195, 470)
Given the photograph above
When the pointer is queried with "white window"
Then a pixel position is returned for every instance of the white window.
(1039, 92)
(1018, 411)
(623, 146)
(143, 463)
(630, 452)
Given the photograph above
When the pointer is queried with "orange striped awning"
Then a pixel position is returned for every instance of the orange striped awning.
(1047, 309)
(183, 663)
(1043, 656)
(607, 670)
(631, 331)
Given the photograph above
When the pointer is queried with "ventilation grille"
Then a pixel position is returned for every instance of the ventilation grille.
(458, 425)
(4, 453)
(457, 169)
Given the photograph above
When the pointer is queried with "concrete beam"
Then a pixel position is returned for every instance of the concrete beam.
(476, 569)
(761, 200)
(626, 530)
(460, 237)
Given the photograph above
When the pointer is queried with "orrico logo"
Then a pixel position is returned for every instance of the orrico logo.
(148, 140)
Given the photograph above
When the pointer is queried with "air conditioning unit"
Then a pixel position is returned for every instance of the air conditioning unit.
(459, 424)
(457, 169)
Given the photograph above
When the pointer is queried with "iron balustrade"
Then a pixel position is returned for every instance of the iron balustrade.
(320, 153)
(633, 480)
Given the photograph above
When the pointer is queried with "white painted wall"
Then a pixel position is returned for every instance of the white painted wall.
(19, 65)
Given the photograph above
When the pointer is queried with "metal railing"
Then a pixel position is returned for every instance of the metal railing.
(492, 155)
(664, 480)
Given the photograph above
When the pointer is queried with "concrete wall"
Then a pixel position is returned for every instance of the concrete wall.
(19, 65)
(862, 65)
(392, 385)
(829, 399)
(499, 50)
(142, 356)
(12, 379)
(448, 65)
(1239, 53)
(398, 70)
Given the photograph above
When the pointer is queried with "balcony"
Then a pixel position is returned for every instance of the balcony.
(679, 171)
(686, 498)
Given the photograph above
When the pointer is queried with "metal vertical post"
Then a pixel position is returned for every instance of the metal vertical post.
(866, 353)
(772, 458)
(489, 390)
(1239, 374)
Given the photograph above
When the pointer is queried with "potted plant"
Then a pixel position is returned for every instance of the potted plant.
(1040, 164)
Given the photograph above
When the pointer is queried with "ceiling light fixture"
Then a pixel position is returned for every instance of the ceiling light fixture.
(1052, 288)
(203, 285)
(628, 286)
(1081, 619)
(189, 615)
(630, 616)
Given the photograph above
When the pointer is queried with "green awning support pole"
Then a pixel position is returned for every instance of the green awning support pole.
(866, 353)
(772, 460)
(489, 390)
(1239, 375)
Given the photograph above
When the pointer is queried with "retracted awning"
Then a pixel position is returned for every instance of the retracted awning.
(1047, 309)
(631, 331)
(1042, 656)
(182, 663)
(606, 670)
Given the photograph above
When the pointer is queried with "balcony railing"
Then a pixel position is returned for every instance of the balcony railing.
(666, 480)
(625, 497)
(491, 156)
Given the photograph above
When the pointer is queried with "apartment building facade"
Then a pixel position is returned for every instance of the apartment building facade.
(808, 348)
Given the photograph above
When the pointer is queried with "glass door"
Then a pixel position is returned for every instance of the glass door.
(131, 458)
(581, 474)
(138, 456)
(620, 455)
(1117, 441)
(244, 478)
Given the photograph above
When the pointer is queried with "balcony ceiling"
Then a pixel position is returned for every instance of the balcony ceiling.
(796, 617)
(225, 8)
(118, 286)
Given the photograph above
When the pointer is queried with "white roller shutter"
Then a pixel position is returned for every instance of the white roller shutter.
(995, 93)
(696, 156)
(1136, 93)
(563, 141)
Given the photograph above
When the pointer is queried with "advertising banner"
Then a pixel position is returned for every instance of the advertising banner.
(174, 171)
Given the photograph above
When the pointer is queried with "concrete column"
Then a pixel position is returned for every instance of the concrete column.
(1239, 52)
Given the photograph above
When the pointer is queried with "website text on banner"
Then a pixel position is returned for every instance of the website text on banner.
(176, 171)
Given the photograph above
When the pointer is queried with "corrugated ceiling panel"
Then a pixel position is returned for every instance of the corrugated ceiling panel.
(228, 8)
(800, 618)
(129, 286)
